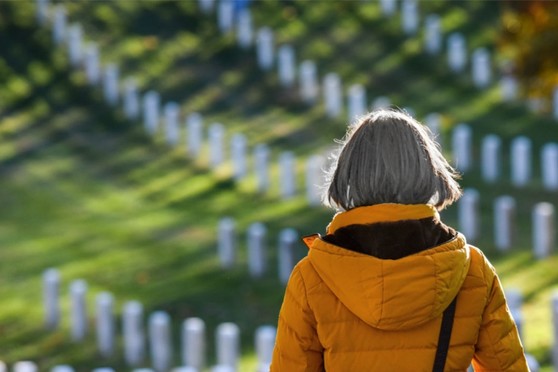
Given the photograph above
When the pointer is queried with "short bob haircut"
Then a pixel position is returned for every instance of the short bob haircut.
(389, 157)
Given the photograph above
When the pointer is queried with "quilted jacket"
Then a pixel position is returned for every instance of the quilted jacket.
(350, 306)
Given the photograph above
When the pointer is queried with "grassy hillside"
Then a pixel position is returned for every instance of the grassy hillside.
(88, 192)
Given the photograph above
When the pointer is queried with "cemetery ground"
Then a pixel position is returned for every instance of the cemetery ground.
(88, 192)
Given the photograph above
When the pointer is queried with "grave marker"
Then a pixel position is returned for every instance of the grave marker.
(357, 102)
(51, 294)
(520, 161)
(410, 17)
(151, 104)
(549, 166)
(91, 64)
(226, 242)
(59, 24)
(286, 65)
(194, 124)
(172, 117)
(228, 344)
(504, 222)
(468, 214)
(25, 366)
(193, 343)
(457, 52)
(257, 257)
(225, 15)
(462, 147)
(244, 34)
(286, 255)
(332, 95)
(75, 44)
(78, 291)
(509, 88)
(261, 163)
(287, 171)
(105, 324)
(133, 333)
(264, 48)
(110, 84)
(131, 99)
(543, 230)
(389, 7)
(433, 34)
(314, 175)
(265, 342)
(491, 162)
(238, 154)
(216, 145)
(481, 69)
(308, 82)
(160, 341)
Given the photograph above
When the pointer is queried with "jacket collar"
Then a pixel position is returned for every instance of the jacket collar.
(388, 212)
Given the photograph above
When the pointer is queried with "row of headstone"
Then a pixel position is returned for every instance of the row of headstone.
(257, 248)
(492, 163)
(505, 211)
(159, 335)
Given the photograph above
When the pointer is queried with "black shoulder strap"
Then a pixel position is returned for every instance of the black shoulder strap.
(444, 338)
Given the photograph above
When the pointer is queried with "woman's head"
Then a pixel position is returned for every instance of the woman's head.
(389, 157)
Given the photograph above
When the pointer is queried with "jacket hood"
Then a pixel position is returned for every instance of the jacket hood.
(391, 294)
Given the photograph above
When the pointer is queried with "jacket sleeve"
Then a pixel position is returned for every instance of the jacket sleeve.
(498, 346)
(297, 347)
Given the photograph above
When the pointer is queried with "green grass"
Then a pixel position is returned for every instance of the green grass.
(87, 192)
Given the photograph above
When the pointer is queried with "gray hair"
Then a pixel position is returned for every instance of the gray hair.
(389, 157)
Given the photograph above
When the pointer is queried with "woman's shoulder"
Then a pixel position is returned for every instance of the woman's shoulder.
(481, 271)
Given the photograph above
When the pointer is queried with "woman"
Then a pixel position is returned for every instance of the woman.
(372, 292)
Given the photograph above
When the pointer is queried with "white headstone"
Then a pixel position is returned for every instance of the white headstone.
(261, 164)
(105, 324)
(91, 64)
(75, 52)
(433, 34)
(133, 333)
(409, 16)
(227, 344)
(381, 103)
(51, 294)
(333, 95)
(194, 124)
(357, 102)
(287, 178)
(225, 15)
(468, 214)
(532, 363)
(222, 368)
(226, 242)
(457, 52)
(554, 310)
(3, 367)
(543, 230)
(110, 84)
(59, 24)
(286, 65)
(520, 161)
(462, 147)
(509, 88)
(103, 369)
(42, 11)
(131, 99)
(265, 342)
(491, 161)
(308, 82)
(244, 34)
(172, 117)
(151, 108)
(143, 370)
(389, 7)
(555, 103)
(434, 122)
(25, 366)
(238, 154)
(264, 48)
(314, 177)
(193, 343)
(481, 68)
(504, 222)
(160, 341)
(60, 368)
(257, 247)
(206, 6)
(78, 292)
(549, 166)
(216, 134)
(286, 255)
(185, 369)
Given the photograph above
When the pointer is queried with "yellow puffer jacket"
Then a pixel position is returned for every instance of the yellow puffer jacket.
(346, 311)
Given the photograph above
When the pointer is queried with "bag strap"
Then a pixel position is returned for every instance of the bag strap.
(444, 337)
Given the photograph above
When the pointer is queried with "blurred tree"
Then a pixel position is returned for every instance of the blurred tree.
(529, 43)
